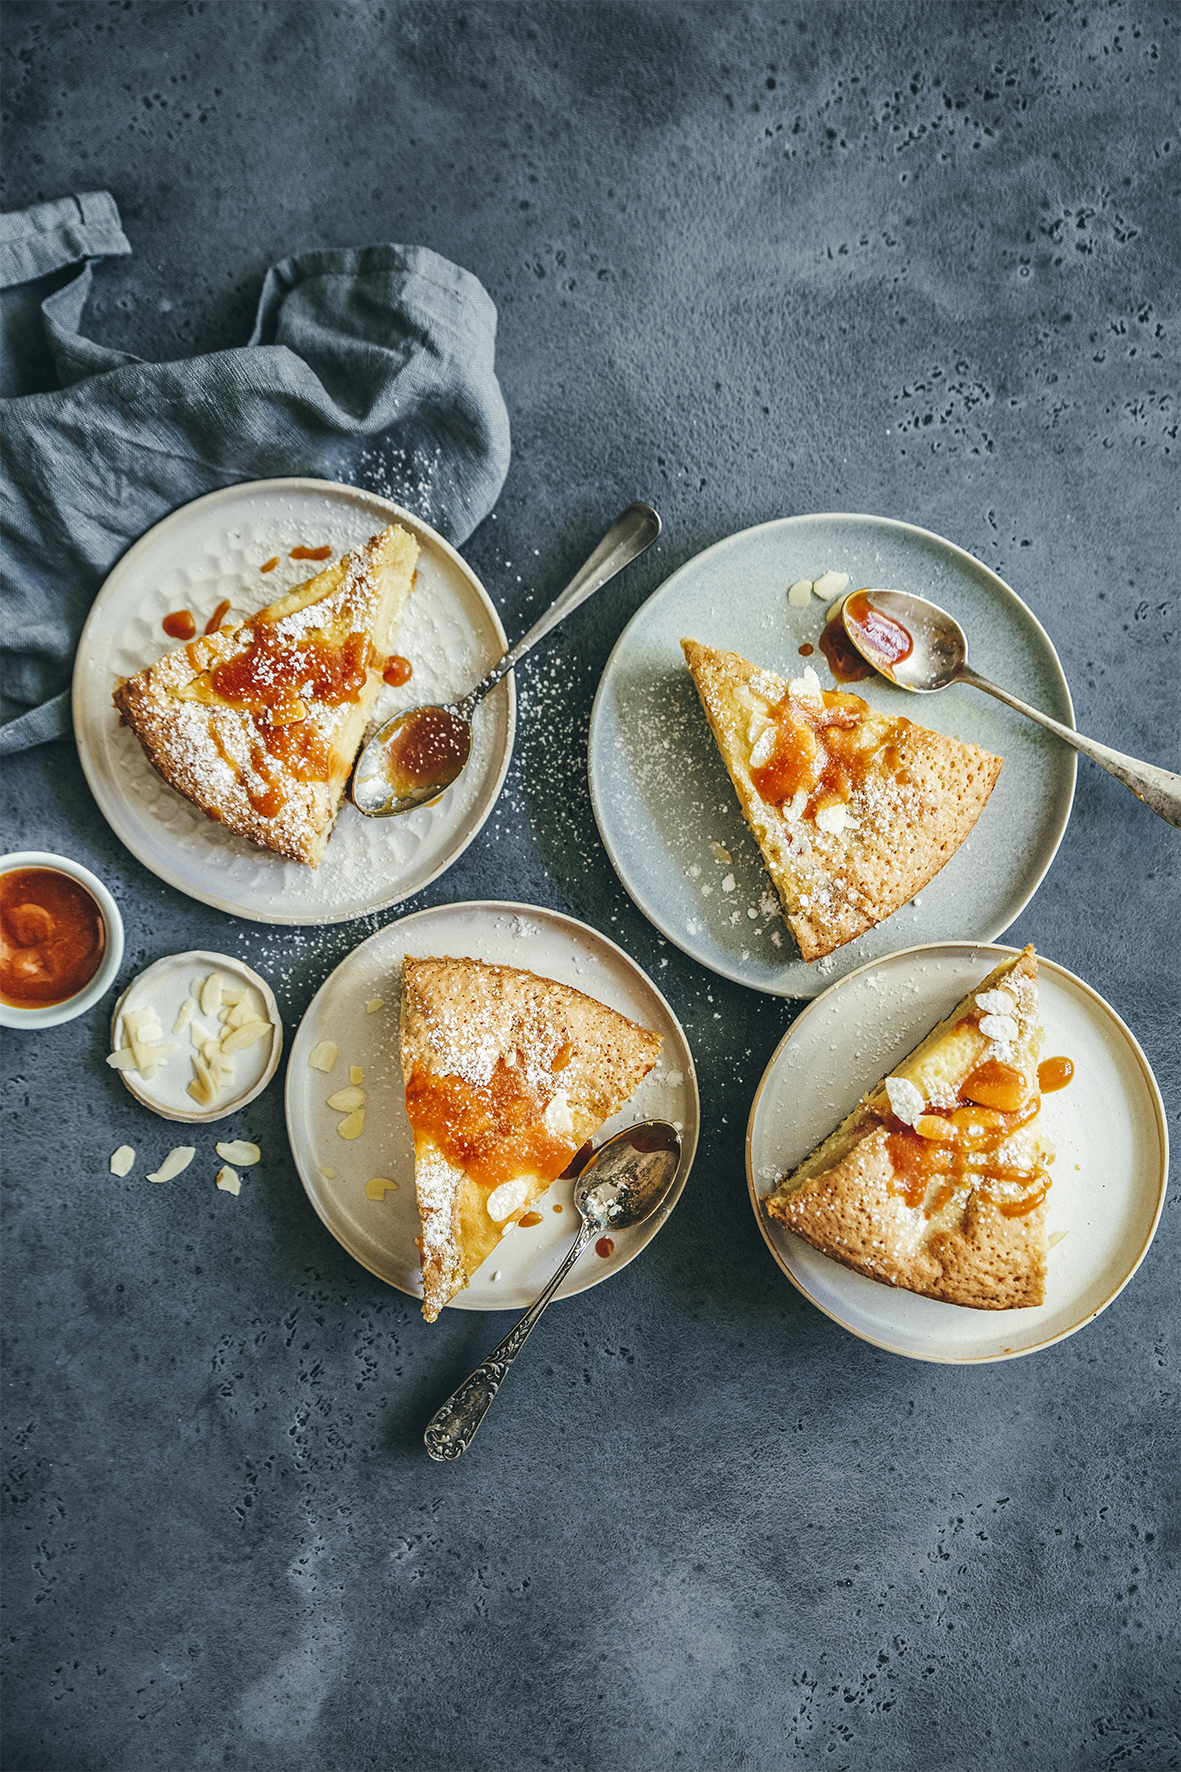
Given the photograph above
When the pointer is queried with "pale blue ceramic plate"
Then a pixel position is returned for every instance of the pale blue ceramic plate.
(663, 801)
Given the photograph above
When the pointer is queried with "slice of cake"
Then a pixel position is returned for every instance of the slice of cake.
(260, 723)
(854, 811)
(937, 1180)
(507, 1075)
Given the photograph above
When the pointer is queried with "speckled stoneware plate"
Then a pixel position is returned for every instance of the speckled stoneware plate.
(212, 549)
(1107, 1127)
(662, 796)
(335, 1172)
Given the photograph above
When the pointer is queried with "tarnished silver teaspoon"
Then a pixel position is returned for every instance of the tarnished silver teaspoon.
(417, 755)
(922, 648)
(624, 1183)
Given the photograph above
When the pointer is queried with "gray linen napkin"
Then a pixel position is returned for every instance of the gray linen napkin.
(371, 365)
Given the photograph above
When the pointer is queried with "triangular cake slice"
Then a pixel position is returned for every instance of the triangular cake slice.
(507, 1075)
(937, 1180)
(260, 723)
(854, 811)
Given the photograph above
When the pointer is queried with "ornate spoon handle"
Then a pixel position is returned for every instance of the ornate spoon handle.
(1159, 789)
(452, 1428)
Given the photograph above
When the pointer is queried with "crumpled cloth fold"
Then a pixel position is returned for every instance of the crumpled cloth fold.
(370, 365)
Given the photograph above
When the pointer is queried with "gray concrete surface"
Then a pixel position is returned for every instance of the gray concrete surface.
(749, 260)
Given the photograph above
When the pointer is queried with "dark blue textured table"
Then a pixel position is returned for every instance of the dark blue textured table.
(749, 261)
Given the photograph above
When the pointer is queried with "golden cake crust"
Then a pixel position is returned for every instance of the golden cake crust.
(224, 757)
(504, 1055)
(909, 818)
(847, 1200)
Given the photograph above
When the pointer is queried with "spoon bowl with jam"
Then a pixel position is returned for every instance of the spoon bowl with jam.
(622, 1184)
(415, 757)
(920, 647)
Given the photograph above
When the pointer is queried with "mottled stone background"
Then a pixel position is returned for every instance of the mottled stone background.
(916, 259)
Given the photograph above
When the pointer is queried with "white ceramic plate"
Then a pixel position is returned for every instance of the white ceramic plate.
(662, 797)
(1107, 1126)
(380, 1233)
(212, 549)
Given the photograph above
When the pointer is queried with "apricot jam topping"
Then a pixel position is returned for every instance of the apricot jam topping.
(494, 1130)
(273, 674)
(815, 748)
(818, 749)
(180, 625)
(996, 1085)
(1054, 1073)
(959, 1144)
(397, 670)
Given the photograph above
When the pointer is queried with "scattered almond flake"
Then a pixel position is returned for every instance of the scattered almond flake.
(808, 685)
(1001, 1028)
(721, 854)
(374, 1004)
(379, 1186)
(729, 883)
(229, 1180)
(830, 584)
(346, 1099)
(328, 1174)
(239, 1150)
(795, 811)
(233, 992)
(495, 1274)
(177, 1159)
(905, 1100)
(356, 1074)
(122, 1159)
(834, 819)
(211, 993)
(323, 1056)
(1055, 1237)
(184, 1015)
(996, 1002)
(506, 1199)
(799, 593)
(199, 1035)
(123, 1060)
(245, 1036)
(203, 1087)
(764, 746)
(239, 1015)
(352, 1125)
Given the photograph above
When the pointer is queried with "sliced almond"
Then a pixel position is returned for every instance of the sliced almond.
(800, 593)
(352, 1125)
(245, 1036)
(374, 1004)
(228, 1180)
(323, 1056)
(346, 1099)
(328, 1174)
(174, 1162)
(232, 992)
(239, 1150)
(132, 1020)
(122, 1159)
(184, 1015)
(205, 1085)
(356, 1074)
(211, 993)
(199, 1034)
(123, 1060)
(380, 1186)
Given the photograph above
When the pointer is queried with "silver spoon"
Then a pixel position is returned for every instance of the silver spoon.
(625, 1182)
(938, 656)
(417, 755)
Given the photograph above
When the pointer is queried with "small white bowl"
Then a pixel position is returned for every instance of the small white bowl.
(49, 1015)
(164, 986)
